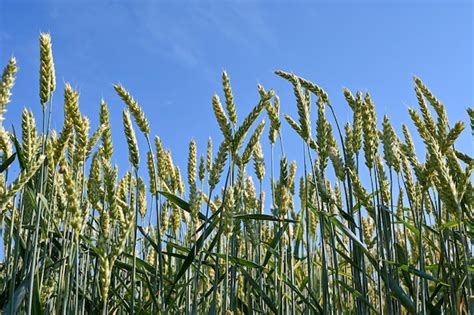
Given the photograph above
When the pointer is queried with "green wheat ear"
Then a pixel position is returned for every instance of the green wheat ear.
(259, 162)
(47, 72)
(20, 182)
(254, 139)
(218, 164)
(133, 152)
(470, 112)
(6, 85)
(222, 119)
(134, 108)
(106, 136)
(229, 98)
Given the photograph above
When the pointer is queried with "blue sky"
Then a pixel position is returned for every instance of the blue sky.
(170, 56)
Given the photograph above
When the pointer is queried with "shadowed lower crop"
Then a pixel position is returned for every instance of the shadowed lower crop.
(362, 225)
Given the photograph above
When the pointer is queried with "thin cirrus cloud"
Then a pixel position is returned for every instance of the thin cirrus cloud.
(179, 33)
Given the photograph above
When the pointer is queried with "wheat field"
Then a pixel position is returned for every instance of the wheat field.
(363, 226)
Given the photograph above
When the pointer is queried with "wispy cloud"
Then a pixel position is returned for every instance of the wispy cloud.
(176, 32)
(241, 24)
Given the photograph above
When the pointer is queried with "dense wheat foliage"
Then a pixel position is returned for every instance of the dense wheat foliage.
(362, 225)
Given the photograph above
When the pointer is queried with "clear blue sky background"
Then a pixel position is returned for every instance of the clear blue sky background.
(171, 55)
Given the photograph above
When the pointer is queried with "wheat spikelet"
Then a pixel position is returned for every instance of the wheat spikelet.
(51, 164)
(463, 157)
(48, 289)
(20, 182)
(323, 136)
(29, 136)
(132, 196)
(303, 109)
(160, 158)
(302, 192)
(82, 136)
(294, 125)
(298, 228)
(5, 144)
(192, 164)
(470, 112)
(60, 200)
(349, 150)
(409, 147)
(229, 99)
(175, 219)
(201, 169)
(105, 276)
(151, 172)
(282, 200)
(442, 123)
(110, 180)
(63, 141)
(273, 114)
(169, 166)
(228, 211)
(248, 122)
(178, 180)
(454, 166)
(338, 196)
(222, 119)
(165, 222)
(84, 214)
(209, 155)
(421, 127)
(133, 152)
(337, 162)
(250, 194)
(214, 204)
(239, 182)
(313, 223)
(94, 139)
(350, 99)
(134, 108)
(124, 232)
(360, 192)
(254, 139)
(6, 85)
(390, 145)
(106, 136)
(218, 165)
(400, 210)
(71, 99)
(370, 135)
(47, 74)
(142, 207)
(302, 106)
(72, 199)
(427, 117)
(73, 117)
(452, 136)
(259, 162)
(315, 89)
(368, 230)
(291, 177)
(193, 193)
(357, 124)
(409, 182)
(444, 181)
(382, 179)
(95, 181)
